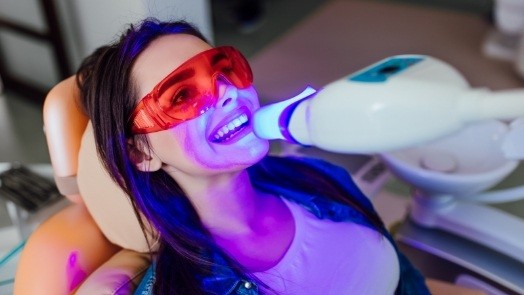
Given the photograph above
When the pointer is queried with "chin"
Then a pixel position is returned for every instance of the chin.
(260, 149)
(253, 155)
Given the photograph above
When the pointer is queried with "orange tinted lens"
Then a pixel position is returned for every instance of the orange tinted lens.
(184, 101)
(232, 65)
(190, 90)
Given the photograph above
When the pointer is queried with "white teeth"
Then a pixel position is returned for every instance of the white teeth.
(243, 118)
(231, 126)
(237, 122)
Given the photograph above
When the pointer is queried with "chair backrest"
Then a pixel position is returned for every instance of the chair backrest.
(80, 174)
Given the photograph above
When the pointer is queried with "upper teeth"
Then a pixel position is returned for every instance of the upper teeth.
(231, 126)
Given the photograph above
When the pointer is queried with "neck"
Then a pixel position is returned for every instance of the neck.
(240, 219)
(227, 202)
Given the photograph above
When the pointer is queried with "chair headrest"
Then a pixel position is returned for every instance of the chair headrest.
(108, 204)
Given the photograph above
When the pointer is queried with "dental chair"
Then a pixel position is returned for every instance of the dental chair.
(95, 245)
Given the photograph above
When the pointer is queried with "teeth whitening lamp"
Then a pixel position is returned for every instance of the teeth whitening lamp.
(399, 102)
(448, 141)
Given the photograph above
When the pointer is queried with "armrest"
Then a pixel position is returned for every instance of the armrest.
(61, 253)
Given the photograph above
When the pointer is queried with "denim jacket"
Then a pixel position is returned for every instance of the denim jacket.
(226, 281)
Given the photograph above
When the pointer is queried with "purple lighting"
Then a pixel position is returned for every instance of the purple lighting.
(75, 274)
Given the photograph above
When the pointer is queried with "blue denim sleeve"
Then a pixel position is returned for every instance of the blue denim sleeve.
(146, 285)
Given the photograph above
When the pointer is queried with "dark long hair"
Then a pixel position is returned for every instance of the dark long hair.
(109, 96)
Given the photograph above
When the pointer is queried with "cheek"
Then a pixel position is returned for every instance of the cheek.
(253, 96)
(167, 144)
(190, 147)
(188, 143)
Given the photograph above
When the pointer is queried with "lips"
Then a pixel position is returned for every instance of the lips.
(231, 127)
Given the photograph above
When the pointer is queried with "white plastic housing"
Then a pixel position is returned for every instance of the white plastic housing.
(399, 102)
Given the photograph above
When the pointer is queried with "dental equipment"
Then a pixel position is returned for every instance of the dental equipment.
(399, 102)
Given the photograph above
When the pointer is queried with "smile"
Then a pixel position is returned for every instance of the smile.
(230, 129)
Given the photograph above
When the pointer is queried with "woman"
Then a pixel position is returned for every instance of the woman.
(172, 124)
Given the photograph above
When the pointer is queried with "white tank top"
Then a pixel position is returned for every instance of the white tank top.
(327, 257)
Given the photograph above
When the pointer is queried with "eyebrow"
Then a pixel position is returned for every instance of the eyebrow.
(218, 57)
(176, 78)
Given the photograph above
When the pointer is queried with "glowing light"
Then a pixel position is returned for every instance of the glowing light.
(75, 274)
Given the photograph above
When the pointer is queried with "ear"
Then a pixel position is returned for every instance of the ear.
(142, 157)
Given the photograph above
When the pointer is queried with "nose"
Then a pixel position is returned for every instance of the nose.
(226, 93)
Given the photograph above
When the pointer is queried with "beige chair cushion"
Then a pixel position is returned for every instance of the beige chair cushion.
(121, 274)
(108, 204)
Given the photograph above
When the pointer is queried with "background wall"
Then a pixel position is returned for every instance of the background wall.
(86, 25)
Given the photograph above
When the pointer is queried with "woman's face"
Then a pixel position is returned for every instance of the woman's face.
(199, 146)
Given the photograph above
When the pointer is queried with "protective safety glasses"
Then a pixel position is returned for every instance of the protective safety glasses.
(190, 90)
